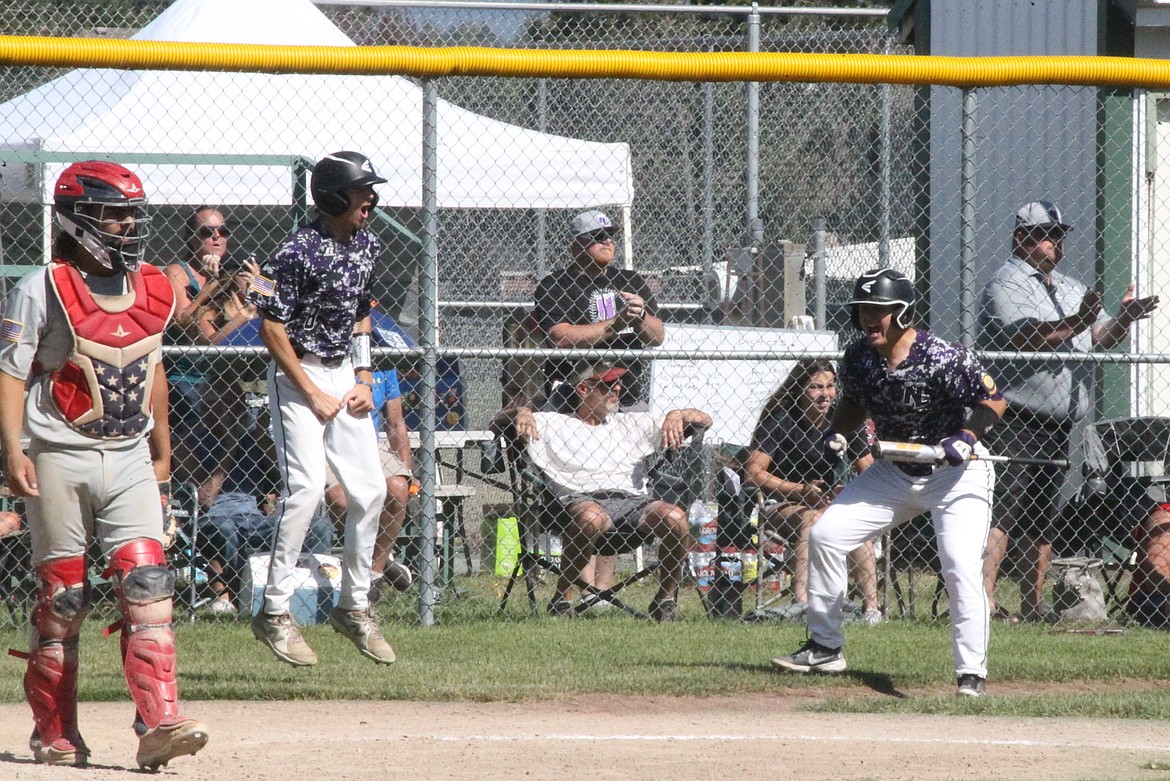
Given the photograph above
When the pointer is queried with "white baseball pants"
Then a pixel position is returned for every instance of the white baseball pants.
(882, 497)
(304, 445)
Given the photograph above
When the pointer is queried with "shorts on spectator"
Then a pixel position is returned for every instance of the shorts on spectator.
(625, 512)
(392, 465)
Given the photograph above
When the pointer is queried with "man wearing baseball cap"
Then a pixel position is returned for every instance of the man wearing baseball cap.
(1031, 306)
(594, 303)
(594, 461)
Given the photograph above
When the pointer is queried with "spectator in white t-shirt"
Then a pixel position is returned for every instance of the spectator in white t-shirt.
(594, 461)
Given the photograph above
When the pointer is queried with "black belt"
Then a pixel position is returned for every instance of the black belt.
(1032, 420)
(328, 363)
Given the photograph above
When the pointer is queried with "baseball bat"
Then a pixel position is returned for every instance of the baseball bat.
(914, 453)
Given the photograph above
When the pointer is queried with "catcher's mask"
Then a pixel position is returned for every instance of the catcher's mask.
(85, 197)
(336, 173)
(884, 287)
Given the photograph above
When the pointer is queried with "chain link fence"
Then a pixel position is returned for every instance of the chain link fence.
(750, 212)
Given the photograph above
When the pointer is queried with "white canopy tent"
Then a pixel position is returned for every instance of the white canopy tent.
(246, 120)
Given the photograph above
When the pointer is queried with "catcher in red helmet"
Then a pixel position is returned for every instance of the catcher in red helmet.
(81, 377)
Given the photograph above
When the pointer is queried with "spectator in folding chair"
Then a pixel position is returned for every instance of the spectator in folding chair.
(1133, 511)
(594, 303)
(787, 463)
(595, 462)
(209, 288)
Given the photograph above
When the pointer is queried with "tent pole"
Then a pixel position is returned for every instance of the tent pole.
(428, 340)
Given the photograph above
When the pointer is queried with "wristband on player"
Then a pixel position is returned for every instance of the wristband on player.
(363, 382)
(359, 352)
(982, 420)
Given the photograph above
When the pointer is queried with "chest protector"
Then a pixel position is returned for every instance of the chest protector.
(103, 390)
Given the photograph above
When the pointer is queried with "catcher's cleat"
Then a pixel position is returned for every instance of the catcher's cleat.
(64, 751)
(283, 637)
(362, 630)
(175, 737)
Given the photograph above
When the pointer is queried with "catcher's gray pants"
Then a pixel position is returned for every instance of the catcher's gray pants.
(958, 499)
(112, 494)
(303, 447)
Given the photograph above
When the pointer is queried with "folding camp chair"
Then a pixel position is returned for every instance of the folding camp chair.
(1125, 462)
(538, 514)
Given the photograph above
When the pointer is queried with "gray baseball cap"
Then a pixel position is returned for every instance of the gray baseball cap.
(591, 222)
(1041, 214)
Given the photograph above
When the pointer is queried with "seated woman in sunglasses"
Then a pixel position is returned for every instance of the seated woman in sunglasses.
(209, 305)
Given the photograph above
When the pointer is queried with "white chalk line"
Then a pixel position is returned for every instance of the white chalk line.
(729, 738)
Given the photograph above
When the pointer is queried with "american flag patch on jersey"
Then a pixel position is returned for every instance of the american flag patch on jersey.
(11, 330)
(262, 285)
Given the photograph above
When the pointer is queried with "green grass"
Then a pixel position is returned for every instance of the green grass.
(473, 655)
(543, 658)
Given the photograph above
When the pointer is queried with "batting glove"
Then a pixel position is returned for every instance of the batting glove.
(958, 449)
(834, 445)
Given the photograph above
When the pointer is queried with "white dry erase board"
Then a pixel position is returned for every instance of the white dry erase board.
(732, 392)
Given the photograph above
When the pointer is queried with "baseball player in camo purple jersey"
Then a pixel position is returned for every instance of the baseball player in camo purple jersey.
(916, 388)
(314, 297)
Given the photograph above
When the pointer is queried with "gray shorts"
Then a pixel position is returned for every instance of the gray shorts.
(624, 511)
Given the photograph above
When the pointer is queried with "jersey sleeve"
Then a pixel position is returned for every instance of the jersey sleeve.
(968, 381)
(24, 318)
(367, 294)
(277, 295)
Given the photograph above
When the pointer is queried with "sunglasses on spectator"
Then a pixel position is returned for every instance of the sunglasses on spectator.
(207, 231)
(610, 387)
(1047, 234)
(598, 237)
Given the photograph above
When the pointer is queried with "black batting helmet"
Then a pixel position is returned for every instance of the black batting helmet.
(336, 173)
(884, 287)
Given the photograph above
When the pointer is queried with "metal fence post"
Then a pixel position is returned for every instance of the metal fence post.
(428, 339)
(967, 223)
(820, 290)
(752, 166)
(884, 176)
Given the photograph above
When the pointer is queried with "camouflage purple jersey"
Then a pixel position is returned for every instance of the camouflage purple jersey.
(319, 288)
(926, 398)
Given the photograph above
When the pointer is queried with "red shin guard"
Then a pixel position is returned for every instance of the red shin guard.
(144, 587)
(50, 679)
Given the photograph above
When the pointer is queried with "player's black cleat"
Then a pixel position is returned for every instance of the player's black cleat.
(971, 685)
(812, 657)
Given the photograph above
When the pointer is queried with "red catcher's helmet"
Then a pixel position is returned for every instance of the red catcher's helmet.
(82, 194)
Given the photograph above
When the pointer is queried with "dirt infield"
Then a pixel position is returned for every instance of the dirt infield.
(606, 737)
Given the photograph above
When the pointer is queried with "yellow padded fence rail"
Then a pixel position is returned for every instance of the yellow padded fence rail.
(582, 64)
